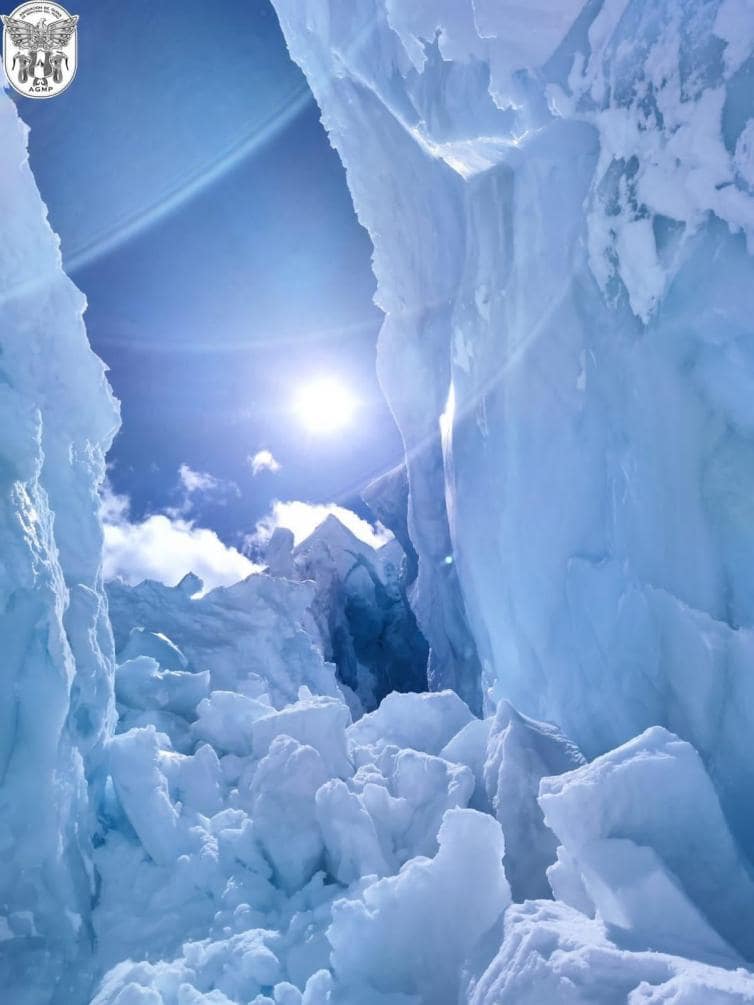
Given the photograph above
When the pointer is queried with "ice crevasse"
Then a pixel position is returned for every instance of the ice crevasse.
(560, 201)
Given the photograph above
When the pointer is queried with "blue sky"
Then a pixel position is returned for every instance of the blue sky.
(205, 216)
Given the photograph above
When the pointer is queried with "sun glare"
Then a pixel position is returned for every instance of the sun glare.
(325, 405)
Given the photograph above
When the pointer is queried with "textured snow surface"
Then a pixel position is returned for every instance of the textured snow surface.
(323, 861)
(254, 851)
(257, 851)
(252, 637)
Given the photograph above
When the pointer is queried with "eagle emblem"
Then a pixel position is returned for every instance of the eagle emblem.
(34, 37)
(39, 49)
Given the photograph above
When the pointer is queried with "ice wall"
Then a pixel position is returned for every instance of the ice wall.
(57, 418)
(251, 636)
(364, 617)
(561, 203)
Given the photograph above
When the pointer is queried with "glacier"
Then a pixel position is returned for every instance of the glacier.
(57, 708)
(560, 203)
(504, 760)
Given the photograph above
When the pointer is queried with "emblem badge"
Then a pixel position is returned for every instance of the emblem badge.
(40, 49)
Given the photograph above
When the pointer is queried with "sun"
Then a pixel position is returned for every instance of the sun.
(325, 405)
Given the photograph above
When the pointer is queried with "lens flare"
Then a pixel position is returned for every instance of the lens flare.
(325, 405)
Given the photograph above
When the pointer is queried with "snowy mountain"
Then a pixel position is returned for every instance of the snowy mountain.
(561, 201)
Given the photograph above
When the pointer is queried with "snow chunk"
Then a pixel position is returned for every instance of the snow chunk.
(353, 848)
(225, 719)
(551, 953)
(281, 802)
(519, 753)
(469, 747)
(734, 23)
(140, 683)
(644, 829)
(412, 932)
(255, 637)
(144, 795)
(420, 721)
(155, 644)
(318, 722)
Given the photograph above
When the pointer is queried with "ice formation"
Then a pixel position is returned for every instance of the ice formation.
(361, 606)
(561, 208)
(56, 653)
(561, 201)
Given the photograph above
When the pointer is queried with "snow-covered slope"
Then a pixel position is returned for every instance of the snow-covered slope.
(561, 202)
(57, 419)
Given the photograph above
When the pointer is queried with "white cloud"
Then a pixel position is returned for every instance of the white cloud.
(303, 518)
(197, 481)
(197, 485)
(263, 461)
(113, 507)
(166, 548)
